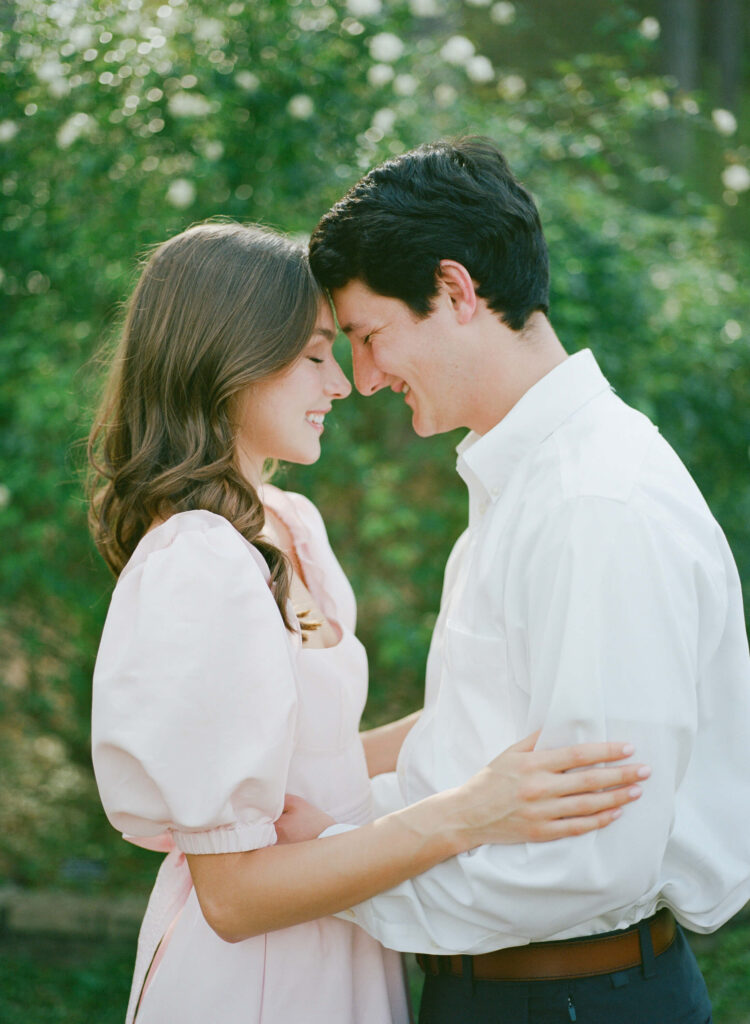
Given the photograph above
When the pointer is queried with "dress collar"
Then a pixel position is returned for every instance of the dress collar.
(491, 458)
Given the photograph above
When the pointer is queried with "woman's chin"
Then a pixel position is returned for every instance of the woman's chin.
(308, 458)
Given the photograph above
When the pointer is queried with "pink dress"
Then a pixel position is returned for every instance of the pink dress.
(206, 710)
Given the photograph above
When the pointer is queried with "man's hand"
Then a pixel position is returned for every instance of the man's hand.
(300, 821)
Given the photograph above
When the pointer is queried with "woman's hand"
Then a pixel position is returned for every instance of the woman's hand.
(300, 821)
(529, 796)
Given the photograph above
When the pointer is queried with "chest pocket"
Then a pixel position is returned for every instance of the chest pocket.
(477, 705)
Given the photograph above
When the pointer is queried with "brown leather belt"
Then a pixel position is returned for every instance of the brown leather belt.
(570, 958)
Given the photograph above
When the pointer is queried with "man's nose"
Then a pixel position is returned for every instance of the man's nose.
(367, 377)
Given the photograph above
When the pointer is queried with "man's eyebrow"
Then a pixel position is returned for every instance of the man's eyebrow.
(348, 328)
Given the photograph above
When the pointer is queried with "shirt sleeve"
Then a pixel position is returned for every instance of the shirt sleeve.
(605, 616)
(194, 701)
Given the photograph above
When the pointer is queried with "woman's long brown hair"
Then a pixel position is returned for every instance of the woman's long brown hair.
(216, 308)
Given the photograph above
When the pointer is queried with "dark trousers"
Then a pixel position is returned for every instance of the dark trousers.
(668, 989)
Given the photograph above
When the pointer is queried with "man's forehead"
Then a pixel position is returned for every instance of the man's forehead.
(358, 308)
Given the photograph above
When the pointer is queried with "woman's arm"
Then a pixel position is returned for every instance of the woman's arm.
(382, 744)
(522, 796)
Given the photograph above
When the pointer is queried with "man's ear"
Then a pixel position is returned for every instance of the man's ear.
(456, 283)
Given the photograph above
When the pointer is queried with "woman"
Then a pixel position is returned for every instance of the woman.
(229, 673)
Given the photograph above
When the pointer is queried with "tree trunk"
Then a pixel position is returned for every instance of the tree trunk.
(728, 33)
(680, 40)
(680, 47)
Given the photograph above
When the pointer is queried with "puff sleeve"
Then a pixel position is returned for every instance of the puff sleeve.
(194, 700)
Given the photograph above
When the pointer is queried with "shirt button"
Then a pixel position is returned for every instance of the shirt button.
(483, 508)
(495, 492)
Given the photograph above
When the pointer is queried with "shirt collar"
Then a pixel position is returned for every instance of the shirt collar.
(491, 458)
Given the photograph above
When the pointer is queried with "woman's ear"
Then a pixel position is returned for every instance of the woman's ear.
(457, 284)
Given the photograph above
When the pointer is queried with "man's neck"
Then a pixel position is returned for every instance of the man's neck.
(509, 364)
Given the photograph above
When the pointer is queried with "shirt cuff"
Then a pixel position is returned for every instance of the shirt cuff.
(336, 830)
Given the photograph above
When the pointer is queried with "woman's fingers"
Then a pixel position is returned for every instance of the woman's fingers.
(575, 815)
(585, 804)
(582, 755)
(527, 743)
(561, 828)
(592, 779)
(552, 794)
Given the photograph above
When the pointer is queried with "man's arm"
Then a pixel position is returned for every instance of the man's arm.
(382, 744)
(609, 603)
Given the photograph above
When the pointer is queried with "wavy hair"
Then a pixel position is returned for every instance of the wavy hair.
(216, 308)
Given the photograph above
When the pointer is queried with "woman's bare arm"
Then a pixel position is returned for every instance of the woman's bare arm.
(382, 744)
(522, 796)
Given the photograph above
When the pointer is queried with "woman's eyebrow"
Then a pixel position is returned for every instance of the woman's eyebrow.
(328, 335)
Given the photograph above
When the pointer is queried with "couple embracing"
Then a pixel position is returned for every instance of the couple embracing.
(591, 608)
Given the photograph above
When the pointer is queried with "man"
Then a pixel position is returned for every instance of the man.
(592, 596)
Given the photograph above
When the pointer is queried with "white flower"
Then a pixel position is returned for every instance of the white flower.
(181, 193)
(405, 85)
(50, 71)
(478, 3)
(512, 87)
(8, 130)
(660, 278)
(301, 107)
(72, 129)
(650, 28)
(213, 149)
(445, 95)
(59, 88)
(736, 177)
(689, 105)
(208, 30)
(458, 50)
(81, 36)
(658, 99)
(380, 74)
(385, 47)
(425, 8)
(732, 330)
(4, 496)
(364, 8)
(503, 13)
(480, 69)
(247, 80)
(384, 120)
(189, 104)
(725, 121)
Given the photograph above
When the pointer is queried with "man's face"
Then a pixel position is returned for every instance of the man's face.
(418, 359)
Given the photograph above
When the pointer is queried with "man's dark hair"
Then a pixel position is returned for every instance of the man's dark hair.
(445, 200)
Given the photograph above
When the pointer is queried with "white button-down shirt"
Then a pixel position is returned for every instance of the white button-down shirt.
(593, 596)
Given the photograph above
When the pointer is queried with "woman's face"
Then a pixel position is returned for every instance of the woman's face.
(282, 417)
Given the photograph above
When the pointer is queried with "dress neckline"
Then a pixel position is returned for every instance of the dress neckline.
(282, 507)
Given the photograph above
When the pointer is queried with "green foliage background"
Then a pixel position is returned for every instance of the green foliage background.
(123, 121)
